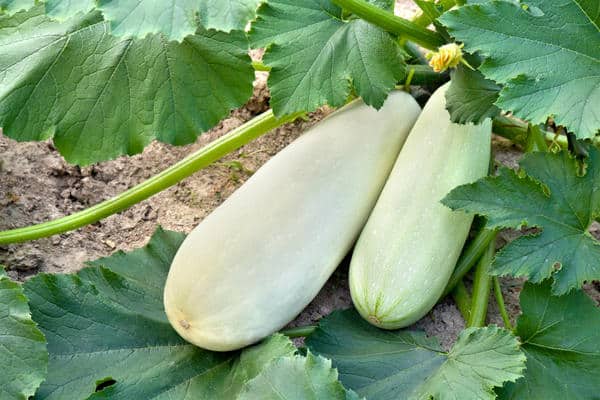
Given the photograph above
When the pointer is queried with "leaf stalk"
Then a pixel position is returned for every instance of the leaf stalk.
(481, 289)
(200, 159)
(500, 302)
(391, 23)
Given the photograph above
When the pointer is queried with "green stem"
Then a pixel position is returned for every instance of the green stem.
(169, 177)
(481, 289)
(539, 138)
(300, 331)
(425, 20)
(461, 297)
(516, 131)
(392, 23)
(469, 257)
(500, 302)
(424, 75)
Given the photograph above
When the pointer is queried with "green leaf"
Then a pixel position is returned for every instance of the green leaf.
(384, 4)
(228, 15)
(101, 97)
(561, 339)
(387, 365)
(107, 323)
(564, 206)
(176, 19)
(471, 97)
(23, 353)
(546, 53)
(317, 58)
(10, 7)
(63, 9)
(297, 378)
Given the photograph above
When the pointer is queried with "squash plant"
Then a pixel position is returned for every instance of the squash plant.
(104, 78)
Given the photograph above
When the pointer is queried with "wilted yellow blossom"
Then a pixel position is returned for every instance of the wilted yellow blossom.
(447, 56)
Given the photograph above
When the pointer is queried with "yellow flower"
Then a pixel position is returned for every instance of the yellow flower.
(447, 56)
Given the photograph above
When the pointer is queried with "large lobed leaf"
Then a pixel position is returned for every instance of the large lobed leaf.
(317, 57)
(23, 353)
(387, 365)
(552, 197)
(107, 324)
(546, 53)
(175, 19)
(561, 338)
(99, 96)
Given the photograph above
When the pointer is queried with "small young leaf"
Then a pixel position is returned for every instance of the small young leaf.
(316, 57)
(23, 353)
(552, 197)
(388, 365)
(297, 378)
(546, 53)
(471, 97)
(107, 323)
(561, 339)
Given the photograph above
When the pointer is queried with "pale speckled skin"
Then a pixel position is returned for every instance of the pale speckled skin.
(254, 263)
(411, 242)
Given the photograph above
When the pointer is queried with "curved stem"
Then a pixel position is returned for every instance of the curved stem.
(169, 177)
(481, 289)
(300, 331)
(388, 21)
(500, 302)
(469, 257)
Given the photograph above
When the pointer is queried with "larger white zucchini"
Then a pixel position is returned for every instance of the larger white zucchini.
(254, 263)
(410, 244)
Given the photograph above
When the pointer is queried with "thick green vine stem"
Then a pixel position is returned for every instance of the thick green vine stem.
(388, 21)
(300, 331)
(462, 298)
(202, 158)
(481, 289)
(469, 257)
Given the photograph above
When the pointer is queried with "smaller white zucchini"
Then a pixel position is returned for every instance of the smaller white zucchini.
(411, 242)
(256, 261)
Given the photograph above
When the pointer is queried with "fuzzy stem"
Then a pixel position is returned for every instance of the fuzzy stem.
(500, 302)
(392, 23)
(202, 158)
(300, 331)
(469, 257)
(481, 289)
(461, 297)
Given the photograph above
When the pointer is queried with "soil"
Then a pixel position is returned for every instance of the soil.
(37, 185)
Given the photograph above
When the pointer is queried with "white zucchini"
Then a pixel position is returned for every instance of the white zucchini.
(411, 242)
(254, 263)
